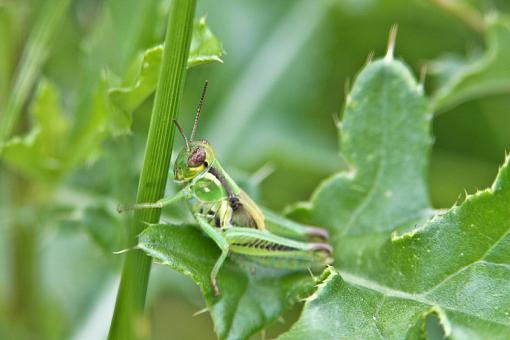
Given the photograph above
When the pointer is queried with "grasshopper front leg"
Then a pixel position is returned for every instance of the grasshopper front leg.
(184, 193)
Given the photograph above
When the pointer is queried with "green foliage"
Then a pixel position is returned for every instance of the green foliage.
(391, 278)
(479, 76)
(39, 153)
(130, 301)
(385, 129)
(385, 139)
(251, 296)
(76, 150)
(34, 55)
(455, 266)
(379, 193)
(205, 48)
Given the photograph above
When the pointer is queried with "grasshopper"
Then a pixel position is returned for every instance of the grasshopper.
(232, 219)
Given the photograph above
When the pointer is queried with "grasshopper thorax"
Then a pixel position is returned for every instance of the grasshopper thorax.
(192, 160)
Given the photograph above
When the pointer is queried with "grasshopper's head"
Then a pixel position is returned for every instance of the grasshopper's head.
(193, 160)
(196, 156)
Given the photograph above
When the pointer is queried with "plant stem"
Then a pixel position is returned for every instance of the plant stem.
(34, 55)
(23, 237)
(127, 317)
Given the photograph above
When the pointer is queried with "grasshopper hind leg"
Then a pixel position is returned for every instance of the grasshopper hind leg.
(282, 226)
(276, 251)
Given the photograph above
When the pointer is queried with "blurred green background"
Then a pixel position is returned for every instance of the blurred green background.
(270, 106)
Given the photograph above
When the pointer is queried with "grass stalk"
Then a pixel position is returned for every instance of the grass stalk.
(127, 321)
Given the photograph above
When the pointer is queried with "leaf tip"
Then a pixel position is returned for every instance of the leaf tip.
(370, 57)
(391, 43)
(202, 20)
(327, 275)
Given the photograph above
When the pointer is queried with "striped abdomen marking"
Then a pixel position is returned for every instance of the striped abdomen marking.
(262, 244)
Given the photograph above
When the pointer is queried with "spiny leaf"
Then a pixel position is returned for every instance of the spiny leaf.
(385, 286)
(456, 266)
(205, 48)
(487, 74)
(385, 139)
(251, 296)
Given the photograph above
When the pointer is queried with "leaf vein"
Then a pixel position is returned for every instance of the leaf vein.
(390, 292)
(452, 275)
(380, 169)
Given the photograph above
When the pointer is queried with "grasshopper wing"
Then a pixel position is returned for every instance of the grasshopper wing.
(246, 213)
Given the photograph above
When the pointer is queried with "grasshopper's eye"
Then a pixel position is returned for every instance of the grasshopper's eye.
(196, 158)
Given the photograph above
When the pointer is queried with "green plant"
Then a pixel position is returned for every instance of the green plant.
(85, 120)
(135, 274)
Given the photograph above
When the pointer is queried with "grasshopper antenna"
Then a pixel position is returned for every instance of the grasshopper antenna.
(197, 114)
(182, 134)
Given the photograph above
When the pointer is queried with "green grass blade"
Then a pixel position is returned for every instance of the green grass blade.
(135, 274)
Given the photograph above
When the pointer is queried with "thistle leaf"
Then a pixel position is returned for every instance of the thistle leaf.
(251, 296)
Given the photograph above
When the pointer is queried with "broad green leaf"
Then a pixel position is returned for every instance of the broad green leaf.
(456, 266)
(388, 279)
(251, 296)
(39, 153)
(205, 48)
(487, 74)
(385, 139)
